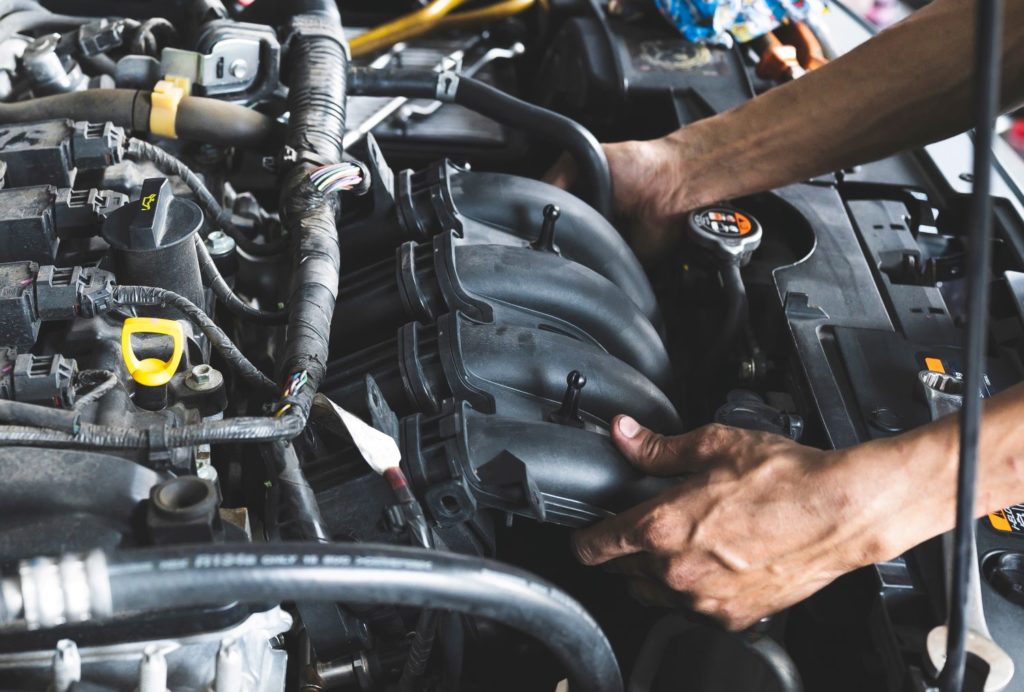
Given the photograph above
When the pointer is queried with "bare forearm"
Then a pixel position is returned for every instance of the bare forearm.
(908, 86)
(912, 477)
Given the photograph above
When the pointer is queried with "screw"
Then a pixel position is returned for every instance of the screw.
(239, 69)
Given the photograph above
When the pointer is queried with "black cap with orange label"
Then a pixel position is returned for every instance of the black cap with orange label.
(729, 233)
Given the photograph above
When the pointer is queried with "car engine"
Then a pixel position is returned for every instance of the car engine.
(296, 342)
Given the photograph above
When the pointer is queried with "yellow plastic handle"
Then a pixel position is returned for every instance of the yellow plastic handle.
(152, 372)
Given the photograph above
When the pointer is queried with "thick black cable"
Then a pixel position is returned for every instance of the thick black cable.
(143, 296)
(180, 577)
(586, 151)
(987, 43)
(317, 69)
(226, 295)
(141, 150)
(90, 436)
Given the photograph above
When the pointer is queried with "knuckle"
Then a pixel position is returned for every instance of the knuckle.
(677, 578)
(655, 533)
(711, 438)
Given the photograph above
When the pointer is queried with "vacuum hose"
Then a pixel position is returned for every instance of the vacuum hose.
(495, 104)
(198, 118)
(367, 574)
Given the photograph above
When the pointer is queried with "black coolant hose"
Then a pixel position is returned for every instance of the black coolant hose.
(144, 296)
(305, 521)
(226, 295)
(141, 150)
(186, 576)
(736, 311)
(596, 178)
(317, 66)
(198, 118)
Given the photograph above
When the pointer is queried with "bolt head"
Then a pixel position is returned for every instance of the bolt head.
(203, 378)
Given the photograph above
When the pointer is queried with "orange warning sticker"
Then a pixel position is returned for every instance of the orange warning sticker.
(934, 364)
(743, 223)
(999, 522)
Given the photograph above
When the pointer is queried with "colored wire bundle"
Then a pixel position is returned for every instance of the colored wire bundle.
(297, 382)
(336, 177)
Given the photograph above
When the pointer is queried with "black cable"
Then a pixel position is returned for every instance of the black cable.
(141, 150)
(987, 42)
(99, 389)
(186, 576)
(91, 436)
(586, 151)
(143, 296)
(317, 70)
(227, 296)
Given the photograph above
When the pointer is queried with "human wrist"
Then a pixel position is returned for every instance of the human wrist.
(900, 492)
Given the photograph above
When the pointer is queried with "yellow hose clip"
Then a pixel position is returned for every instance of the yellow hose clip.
(152, 372)
(166, 96)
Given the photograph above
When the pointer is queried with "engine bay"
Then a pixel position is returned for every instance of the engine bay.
(265, 280)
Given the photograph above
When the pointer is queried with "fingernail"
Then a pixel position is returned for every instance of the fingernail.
(628, 427)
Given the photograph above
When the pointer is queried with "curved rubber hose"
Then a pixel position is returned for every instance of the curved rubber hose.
(226, 295)
(595, 176)
(141, 150)
(201, 119)
(987, 45)
(181, 577)
(142, 296)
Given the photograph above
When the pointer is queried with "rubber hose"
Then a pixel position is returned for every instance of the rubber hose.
(90, 436)
(186, 576)
(226, 295)
(141, 150)
(296, 493)
(142, 296)
(34, 415)
(200, 119)
(736, 311)
(317, 70)
(482, 98)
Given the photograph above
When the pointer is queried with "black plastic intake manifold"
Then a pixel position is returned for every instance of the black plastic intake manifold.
(515, 286)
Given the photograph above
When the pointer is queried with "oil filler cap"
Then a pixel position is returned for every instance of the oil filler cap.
(156, 220)
(732, 235)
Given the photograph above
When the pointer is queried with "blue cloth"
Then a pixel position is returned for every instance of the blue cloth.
(722, 21)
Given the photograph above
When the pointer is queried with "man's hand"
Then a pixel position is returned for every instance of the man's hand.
(761, 523)
(650, 185)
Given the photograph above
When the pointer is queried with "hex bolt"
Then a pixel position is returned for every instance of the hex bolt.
(204, 378)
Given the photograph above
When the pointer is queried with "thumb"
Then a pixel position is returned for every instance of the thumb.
(659, 455)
